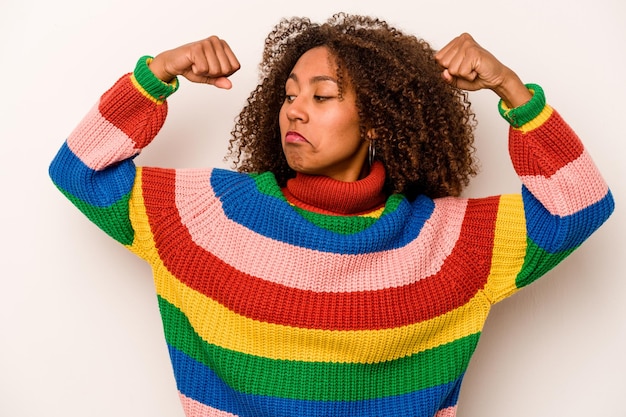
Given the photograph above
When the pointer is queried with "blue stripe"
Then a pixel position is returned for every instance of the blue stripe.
(243, 203)
(555, 233)
(453, 397)
(201, 384)
(98, 188)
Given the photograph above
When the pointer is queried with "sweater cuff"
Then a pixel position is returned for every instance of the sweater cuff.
(519, 116)
(158, 89)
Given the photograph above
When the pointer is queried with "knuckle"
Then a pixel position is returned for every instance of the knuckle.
(215, 41)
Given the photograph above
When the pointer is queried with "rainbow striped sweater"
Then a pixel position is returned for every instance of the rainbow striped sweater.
(278, 304)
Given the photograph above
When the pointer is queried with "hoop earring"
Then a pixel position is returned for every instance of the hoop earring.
(371, 152)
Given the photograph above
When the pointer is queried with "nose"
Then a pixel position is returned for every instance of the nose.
(296, 110)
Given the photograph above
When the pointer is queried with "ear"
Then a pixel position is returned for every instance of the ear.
(371, 134)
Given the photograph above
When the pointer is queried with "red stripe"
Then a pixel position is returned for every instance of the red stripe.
(546, 149)
(261, 300)
(131, 112)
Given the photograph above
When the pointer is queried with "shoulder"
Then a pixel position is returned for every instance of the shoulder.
(168, 186)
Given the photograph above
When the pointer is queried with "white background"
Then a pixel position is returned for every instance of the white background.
(80, 334)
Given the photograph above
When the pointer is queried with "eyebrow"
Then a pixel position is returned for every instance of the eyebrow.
(316, 79)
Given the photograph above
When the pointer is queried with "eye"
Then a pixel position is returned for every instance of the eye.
(289, 98)
(322, 98)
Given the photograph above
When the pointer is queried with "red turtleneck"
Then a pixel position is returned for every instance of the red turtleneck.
(329, 196)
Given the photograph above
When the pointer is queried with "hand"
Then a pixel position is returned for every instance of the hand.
(209, 61)
(469, 66)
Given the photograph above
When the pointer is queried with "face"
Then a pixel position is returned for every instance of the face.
(319, 129)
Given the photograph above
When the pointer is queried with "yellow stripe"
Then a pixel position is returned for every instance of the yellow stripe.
(509, 248)
(235, 332)
(143, 241)
(537, 121)
(374, 214)
(143, 91)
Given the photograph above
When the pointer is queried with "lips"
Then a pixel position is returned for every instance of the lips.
(294, 137)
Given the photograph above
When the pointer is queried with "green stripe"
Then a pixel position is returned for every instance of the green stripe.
(325, 381)
(114, 220)
(519, 116)
(346, 225)
(337, 224)
(537, 263)
(349, 224)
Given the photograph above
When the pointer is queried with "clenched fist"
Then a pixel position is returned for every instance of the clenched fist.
(208, 61)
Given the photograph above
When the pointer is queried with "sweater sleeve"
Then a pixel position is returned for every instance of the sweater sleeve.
(564, 197)
(94, 168)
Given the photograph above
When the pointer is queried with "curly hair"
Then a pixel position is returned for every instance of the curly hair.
(424, 127)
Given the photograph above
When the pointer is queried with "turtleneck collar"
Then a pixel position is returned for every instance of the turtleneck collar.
(327, 195)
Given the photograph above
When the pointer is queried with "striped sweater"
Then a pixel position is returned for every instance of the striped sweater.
(301, 302)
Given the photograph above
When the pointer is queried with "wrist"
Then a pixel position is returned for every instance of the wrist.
(520, 115)
(512, 91)
(158, 69)
(151, 83)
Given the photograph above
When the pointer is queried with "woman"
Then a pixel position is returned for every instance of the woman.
(337, 272)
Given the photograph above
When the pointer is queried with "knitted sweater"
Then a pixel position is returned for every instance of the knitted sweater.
(322, 299)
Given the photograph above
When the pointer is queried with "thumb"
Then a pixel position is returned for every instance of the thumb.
(222, 82)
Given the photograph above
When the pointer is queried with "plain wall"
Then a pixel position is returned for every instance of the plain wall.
(80, 334)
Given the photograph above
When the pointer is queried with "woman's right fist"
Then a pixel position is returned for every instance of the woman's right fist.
(208, 61)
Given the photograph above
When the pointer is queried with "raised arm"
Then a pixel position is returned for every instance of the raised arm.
(564, 197)
(94, 168)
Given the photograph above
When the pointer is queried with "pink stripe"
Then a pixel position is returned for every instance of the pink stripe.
(98, 143)
(569, 180)
(194, 408)
(446, 412)
(195, 198)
